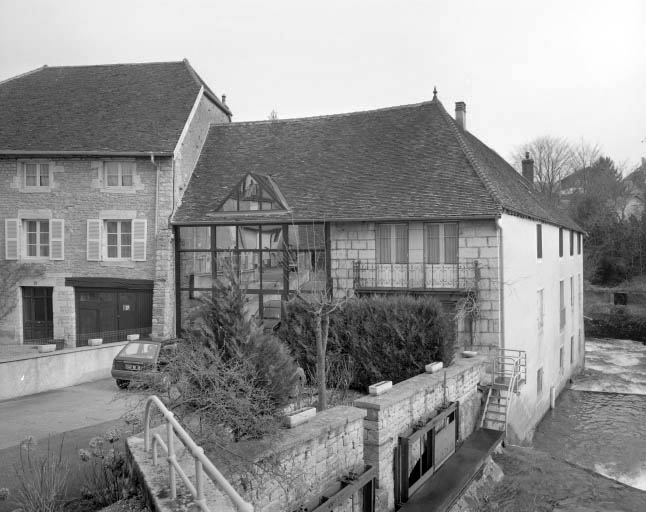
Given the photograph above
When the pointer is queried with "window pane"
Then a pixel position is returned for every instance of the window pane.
(450, 243)
(44, 238)
(44, 175)
(248, 237)
(272, 270)
(112, 251)
(401, 243)
(225, 237)
(272, 237)
(432, 243)
(383, 243)
(112, 174)
(31, 175)
(126, 174)
(125, 226)
(112, 227)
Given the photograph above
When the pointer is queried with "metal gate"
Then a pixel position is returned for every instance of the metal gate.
(423, 449)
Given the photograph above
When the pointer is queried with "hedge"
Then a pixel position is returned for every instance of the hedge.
(619, 323)
(387, 338)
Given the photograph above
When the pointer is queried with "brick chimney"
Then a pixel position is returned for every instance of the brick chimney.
(528, 168)
(461, 114)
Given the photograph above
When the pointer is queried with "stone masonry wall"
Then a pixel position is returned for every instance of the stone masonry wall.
(76, 194)
(416, 399)
(477, 242)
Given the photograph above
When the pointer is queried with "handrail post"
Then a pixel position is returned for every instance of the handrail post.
(171, 459)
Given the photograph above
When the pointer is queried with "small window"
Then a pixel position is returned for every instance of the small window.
(572, 295)
(118, 239)
(560, 242)
(541, 312)
(561, 357)
(441, 243)
(36, 175)
(578, 243)
(119, 174)
(539, 381)
(572, 350)
(571, 243)
(539, 241)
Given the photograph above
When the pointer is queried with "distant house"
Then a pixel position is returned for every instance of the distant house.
(397, 200)
(93, 163)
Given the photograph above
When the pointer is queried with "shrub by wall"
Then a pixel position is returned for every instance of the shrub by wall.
(619, 323)
(388, 338)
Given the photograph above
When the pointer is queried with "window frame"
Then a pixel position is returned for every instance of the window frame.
(39, 187)
(119, 234)
(539, 242)
(120, 174)
(539, 381)
(442, 245)
(571, 243)
(540, 299)
(562, 308)
(39, 245)
(393, 251)
(578, 243)
(560, 242)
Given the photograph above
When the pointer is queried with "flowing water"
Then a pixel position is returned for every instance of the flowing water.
(600, 422)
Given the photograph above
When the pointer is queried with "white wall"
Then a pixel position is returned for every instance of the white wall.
(523, 275)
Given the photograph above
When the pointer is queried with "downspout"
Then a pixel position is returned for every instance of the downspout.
(501, 281)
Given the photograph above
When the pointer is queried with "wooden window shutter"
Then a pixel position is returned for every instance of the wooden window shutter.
(57, 239)
(139, 240)
(94, 239)
(11, 238)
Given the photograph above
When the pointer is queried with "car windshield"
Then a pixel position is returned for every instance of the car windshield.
(140, 350)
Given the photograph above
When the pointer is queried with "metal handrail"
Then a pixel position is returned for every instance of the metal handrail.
(202, 463)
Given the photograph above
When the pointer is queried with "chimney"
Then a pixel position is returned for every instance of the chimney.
(528, 168)
(461, 114)
(224, 99)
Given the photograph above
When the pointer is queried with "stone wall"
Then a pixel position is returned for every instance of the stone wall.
(416, 399)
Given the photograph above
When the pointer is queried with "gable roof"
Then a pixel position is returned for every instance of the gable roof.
(116, 108)
(406, 162)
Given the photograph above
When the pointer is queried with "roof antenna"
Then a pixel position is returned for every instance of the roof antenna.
(434, 92)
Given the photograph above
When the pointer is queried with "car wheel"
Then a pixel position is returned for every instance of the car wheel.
(123, 384)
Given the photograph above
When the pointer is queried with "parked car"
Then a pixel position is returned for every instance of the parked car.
(139, 359)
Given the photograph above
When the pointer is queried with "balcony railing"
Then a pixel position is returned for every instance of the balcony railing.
(368, 274)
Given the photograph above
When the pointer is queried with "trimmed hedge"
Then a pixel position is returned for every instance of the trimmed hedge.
(388, 338)
(619, 323)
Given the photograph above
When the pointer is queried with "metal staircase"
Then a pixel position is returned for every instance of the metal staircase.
(507, 374)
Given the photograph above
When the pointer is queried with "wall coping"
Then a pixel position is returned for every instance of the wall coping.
(406, 389)
(65, 351)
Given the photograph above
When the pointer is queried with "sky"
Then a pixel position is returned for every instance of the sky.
(569, 68)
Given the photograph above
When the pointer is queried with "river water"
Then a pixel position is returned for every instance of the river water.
(600, 422)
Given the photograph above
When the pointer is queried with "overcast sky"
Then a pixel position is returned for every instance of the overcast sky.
(567, 68)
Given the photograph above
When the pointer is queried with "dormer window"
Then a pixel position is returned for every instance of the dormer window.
(119, 174)
(253, 193)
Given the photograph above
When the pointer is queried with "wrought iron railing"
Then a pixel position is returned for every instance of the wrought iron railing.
(202, 463)
(81, 340)
(368, 274)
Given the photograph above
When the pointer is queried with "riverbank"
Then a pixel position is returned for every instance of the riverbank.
(532, 480)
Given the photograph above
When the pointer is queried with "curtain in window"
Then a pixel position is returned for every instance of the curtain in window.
(432, 248)
(383, 243)
(401, 243)
(450, 243)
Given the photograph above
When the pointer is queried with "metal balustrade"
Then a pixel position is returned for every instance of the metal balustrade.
(368, 274)
(202, 463)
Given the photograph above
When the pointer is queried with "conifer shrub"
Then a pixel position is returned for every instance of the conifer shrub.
(388, 338)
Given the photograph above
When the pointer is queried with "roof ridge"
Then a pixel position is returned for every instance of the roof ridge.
(466, 149)
(23, 74)
(324, 116)
(116, 64)
(209, 93)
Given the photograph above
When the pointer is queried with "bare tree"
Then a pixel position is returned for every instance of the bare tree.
(553, 160)
(273, 116)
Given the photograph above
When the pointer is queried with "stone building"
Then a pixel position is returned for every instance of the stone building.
(93, 163)
(397, 200)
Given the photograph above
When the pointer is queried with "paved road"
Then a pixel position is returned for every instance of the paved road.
(74, 414)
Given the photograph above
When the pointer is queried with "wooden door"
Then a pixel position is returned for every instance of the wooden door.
(37, 314)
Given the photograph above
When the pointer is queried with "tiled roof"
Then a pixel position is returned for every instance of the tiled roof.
(407, 162)
(109, 108)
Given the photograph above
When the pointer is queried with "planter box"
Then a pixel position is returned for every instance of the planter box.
(380, 387)
(299, 416)
(50, 347)
(434, 367)
(132, 337)
(94, 342)
(60, 344)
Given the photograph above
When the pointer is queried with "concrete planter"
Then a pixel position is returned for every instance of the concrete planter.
(299, 416)
(380, 387)
(132, 337)
(94, 342)
(50, 347)
(434, 367)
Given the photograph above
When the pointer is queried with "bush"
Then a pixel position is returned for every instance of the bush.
(388, 338)
(619, 323)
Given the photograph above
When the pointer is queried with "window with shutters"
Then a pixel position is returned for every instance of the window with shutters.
(35, 176)
(116, 239)
(40, 239)
(118, 174)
